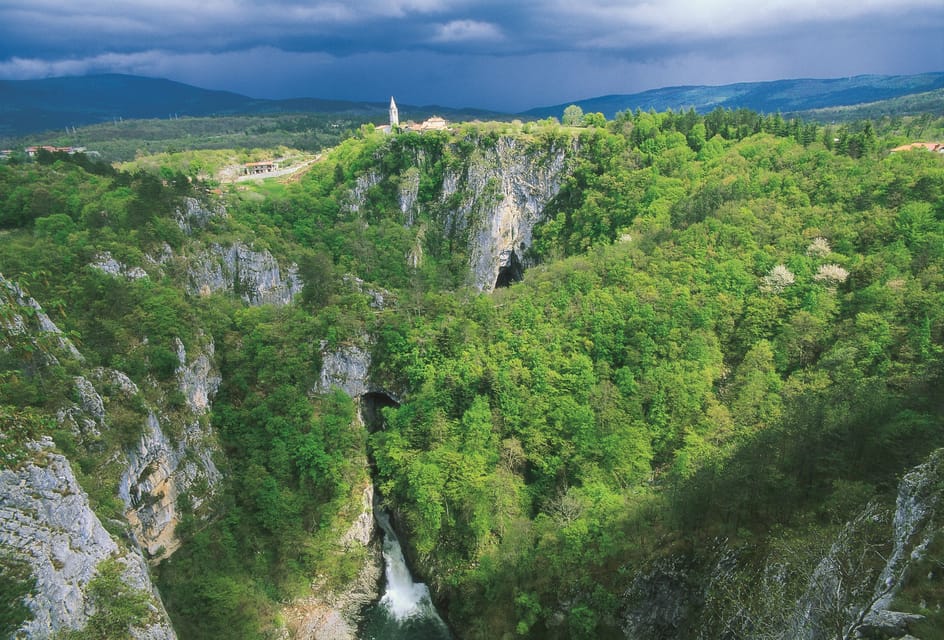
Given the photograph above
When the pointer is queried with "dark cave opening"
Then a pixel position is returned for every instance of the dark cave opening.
(372, 405)
(510, 268)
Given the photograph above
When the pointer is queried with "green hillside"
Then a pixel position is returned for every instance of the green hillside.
(727, 344)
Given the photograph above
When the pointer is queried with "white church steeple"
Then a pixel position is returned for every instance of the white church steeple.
(394, 115)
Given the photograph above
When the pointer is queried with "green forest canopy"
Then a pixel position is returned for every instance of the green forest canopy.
(735, 326)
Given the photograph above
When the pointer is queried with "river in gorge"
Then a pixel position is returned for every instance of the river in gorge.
(405, 610)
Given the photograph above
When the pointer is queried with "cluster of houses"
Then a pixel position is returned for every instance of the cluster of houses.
(433, 123)
(33, 151)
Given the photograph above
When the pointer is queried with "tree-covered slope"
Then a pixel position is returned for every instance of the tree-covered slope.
(746, 338)
(726, 349)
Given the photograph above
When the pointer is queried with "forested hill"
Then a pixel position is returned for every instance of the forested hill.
(706, 404)
(785, 96)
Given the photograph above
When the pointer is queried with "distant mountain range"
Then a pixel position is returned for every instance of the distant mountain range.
(29, 106)
(785, 96)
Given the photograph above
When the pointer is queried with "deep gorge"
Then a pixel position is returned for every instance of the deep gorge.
(674, 377)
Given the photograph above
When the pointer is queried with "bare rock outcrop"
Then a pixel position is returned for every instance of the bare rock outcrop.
(492, 200)
(345, 368)
(46, 520)
(196, 215)
(254, 276)
(23, 319)
(161, 469)
(504, 191)
(106, 263)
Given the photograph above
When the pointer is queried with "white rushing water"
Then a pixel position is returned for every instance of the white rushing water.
(403, 598)
(405, 611)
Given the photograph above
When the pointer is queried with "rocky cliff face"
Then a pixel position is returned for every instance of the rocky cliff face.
(491, 200)
(345, 368)
(358, 196)
(254, 276)
(106, 263)
(160, 470)
(46, 519)
(24, 321)
(193, 215)
(334, 613)
(237, 268)
(503, 192)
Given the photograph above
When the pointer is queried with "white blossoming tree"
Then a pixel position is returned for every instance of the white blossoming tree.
(819, 248)
(831, 274)
(777, 279)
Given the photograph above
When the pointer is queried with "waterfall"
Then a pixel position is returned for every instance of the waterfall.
(406, 609)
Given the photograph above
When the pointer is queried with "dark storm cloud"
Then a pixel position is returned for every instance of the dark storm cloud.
(466, 52)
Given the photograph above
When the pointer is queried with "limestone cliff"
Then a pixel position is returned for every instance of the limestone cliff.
(332, 612)
(345, 368)
(210, 267)
(502, 195)
(160, 470)
(46, 520)
(254, 276)
(193, 215)
(489, 198)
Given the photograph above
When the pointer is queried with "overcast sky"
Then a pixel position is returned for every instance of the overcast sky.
(508, 55)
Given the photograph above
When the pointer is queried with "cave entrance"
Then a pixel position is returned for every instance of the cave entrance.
(372, 406)
(510, 268)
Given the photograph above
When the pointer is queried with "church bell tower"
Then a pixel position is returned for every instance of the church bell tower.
(394, 115)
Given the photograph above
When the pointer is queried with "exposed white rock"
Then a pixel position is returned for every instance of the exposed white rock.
(799, 593)
(345, 368)
(255, 276)
(409, 189)
(502, 193)
(116, 379)
(378, 297)
(840, 584)
(106, 263)
(158, 472)
(333, 615)
(198, 379)
(919, 499)
(507, 189)
(87, 418)
(415, 256)
(165, 255)
(193, 213)
(358, 195)
(363, 530)
(45, 519)
(91, 402)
